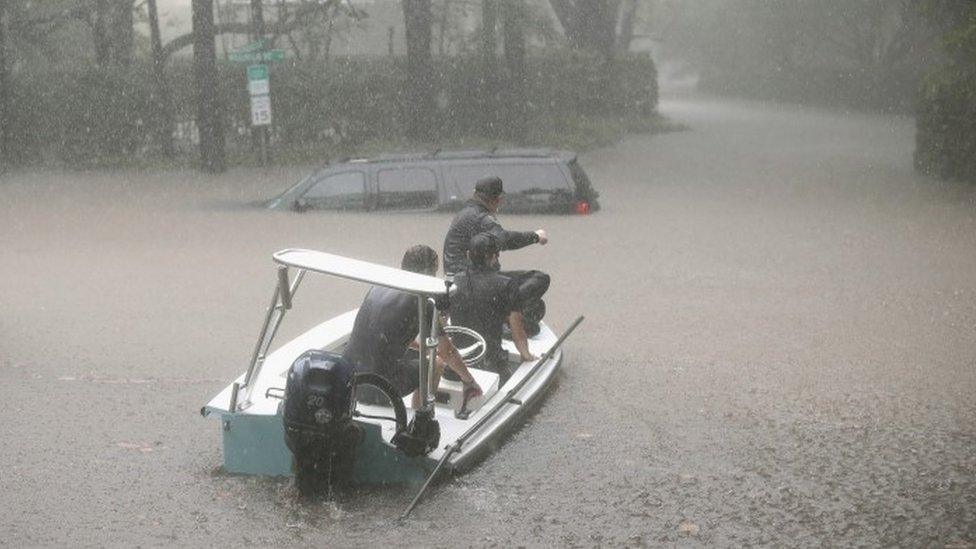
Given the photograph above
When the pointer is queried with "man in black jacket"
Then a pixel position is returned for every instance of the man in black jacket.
(478, 216)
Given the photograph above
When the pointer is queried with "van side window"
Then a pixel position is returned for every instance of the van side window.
(340, 191)
(518, 178)
(406, 189)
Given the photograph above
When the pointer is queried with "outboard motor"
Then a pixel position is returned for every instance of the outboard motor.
(318, 428)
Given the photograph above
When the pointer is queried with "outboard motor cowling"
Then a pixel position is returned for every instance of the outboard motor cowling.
(317, 392)
(318, 428)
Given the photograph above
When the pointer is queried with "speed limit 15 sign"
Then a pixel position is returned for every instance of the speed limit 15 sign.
(260, 110)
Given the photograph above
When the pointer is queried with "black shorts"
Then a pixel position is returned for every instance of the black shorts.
(405, 378)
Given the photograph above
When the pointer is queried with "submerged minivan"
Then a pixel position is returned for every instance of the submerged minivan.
(536, 181)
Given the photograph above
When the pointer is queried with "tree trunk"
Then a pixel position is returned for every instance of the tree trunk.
(100, 34)
(445, 18)
(161, 87)
(209, 123)
(566, 12)
(514, 48)
(122, 38)
(257, 18)
(588, 24)
(596, 26)
(628, 17)
(489, 79)
(328, 39)
(420, 99)
(489, 22)
(5, 93)
(514, 39)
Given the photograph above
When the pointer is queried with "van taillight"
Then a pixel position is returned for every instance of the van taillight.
(583, 207)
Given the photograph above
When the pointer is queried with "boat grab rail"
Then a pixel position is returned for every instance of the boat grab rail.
(509, 399)
(281, 301)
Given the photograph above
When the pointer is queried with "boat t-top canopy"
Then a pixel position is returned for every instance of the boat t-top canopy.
(362, 271)
(425, 288)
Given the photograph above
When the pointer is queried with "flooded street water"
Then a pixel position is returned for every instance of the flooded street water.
(780, 349)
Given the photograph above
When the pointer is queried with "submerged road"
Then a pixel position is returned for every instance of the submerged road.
(780, 349)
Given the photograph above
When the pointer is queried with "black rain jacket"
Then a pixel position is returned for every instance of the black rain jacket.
(474, 219)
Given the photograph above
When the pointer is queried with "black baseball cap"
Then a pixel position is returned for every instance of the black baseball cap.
(489, 186)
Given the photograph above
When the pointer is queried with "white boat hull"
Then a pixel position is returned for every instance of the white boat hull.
(253, 435)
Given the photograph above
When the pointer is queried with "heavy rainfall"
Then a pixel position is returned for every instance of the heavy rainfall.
(765, 210)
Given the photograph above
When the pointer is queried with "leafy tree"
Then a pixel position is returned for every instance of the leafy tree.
(290, 20)
(945, 136)
(313, 40)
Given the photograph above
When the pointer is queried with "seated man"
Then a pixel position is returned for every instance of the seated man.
(478, 216)
(485, 299)
(387, 324)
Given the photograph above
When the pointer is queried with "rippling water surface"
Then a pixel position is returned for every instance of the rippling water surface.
(780, 348)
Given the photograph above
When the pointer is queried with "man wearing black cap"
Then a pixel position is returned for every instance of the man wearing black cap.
(484, 299)
(478, 216)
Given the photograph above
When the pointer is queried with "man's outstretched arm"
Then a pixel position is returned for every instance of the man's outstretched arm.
(512, 240)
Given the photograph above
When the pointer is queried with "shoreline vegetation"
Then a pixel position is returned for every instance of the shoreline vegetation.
(355, 106)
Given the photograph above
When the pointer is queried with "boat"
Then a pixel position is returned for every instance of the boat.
(252, 409)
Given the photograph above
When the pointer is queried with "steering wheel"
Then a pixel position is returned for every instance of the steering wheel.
(473, 354)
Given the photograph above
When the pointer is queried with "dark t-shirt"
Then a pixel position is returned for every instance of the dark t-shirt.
(385, 325)
(482, 301)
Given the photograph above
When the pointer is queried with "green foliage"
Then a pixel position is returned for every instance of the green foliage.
(946, 118)
(92, 116)
(80, 117)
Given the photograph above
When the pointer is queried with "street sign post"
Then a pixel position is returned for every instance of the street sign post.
(258, 86)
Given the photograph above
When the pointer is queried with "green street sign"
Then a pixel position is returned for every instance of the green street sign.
(258, 45)
(257, 72)
(269, 56)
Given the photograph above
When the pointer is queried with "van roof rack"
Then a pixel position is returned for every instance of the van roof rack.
(462, 154)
